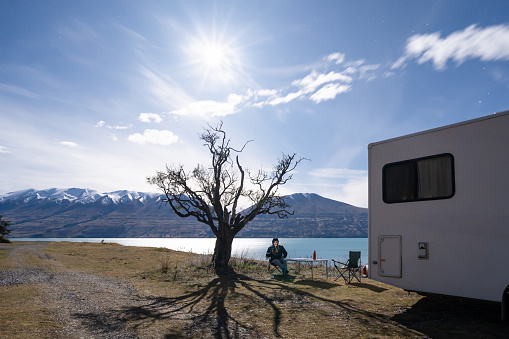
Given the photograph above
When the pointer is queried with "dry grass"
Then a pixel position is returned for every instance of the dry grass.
(24, 316)
(179, 296)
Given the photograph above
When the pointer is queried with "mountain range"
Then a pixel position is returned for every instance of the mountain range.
(85, 213)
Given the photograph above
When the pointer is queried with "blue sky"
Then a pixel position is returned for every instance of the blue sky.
(101, 94)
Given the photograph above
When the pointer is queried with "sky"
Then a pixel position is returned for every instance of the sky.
(102, 94)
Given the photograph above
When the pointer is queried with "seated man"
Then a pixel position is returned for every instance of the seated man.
(277, 255)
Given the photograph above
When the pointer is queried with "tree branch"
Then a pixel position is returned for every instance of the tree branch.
(212, 194)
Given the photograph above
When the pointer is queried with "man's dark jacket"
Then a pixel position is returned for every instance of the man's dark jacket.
(280, 252)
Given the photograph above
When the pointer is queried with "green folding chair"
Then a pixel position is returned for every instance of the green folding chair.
(351, 269)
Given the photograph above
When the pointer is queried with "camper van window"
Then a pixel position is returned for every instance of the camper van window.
(419, 179)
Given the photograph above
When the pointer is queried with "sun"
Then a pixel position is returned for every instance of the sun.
(213, 60)
(215, 56)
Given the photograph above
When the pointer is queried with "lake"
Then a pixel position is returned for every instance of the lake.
(254, 248)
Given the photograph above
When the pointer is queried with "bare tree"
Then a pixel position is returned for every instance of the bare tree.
(212, 195)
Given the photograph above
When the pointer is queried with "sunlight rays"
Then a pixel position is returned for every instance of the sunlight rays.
(214, 60)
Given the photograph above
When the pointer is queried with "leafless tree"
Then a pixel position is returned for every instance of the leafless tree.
(213, 194)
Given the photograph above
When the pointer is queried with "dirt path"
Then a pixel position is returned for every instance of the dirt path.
(84, 304)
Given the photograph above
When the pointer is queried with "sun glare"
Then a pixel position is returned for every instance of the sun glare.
(213, 60)
(214, 56)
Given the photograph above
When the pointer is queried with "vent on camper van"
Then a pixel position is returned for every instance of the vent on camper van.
(419, 179)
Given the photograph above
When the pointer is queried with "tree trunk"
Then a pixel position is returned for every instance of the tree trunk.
(222, 254)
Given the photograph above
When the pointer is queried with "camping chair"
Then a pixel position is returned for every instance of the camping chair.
(273, 268)
(351, 269)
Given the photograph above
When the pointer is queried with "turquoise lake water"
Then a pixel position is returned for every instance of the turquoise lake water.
(254, 248)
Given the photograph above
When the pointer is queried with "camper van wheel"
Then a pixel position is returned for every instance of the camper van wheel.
(505, 305)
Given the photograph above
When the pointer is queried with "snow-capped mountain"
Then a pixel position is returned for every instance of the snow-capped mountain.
(76, 195)
(81, 212)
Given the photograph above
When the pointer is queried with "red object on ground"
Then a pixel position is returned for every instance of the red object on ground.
(314, 255)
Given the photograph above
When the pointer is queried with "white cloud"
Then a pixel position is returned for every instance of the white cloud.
(317, 86)
(119, 127)
(487, 44)
(314, 80)
(265, 92)
(154, 136)
(356, 63)
(329, 92)
(4, 149)
(69, 144)
(366, 72)
(149, 117)
(211, 108)
(284, 99)
(336, 57)
(333, 81)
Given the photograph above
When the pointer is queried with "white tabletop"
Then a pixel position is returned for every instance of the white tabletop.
(305, 259)
(311, 261)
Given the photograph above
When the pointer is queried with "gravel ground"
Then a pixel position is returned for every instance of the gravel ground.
(86, 305)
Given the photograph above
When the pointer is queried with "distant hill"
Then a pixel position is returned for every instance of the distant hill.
(314, 217)
(85, 213)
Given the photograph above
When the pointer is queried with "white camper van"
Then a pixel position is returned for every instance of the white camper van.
(439, 210)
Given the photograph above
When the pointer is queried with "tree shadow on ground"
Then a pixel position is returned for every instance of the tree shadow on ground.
(316, 284)
(441, 316)
(371, 287)
(205, 309)
(283, 278)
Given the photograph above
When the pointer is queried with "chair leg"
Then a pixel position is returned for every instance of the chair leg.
(343, 272)
(273, 268)
(346, 275)
(354, 273)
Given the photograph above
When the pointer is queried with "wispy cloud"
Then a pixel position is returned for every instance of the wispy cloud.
(211, 108)
(118, 127)
(318, 85)
(154, 136)
(314, 80)
(336, 57)
(69, 144)
(4, 149)
(18, 91)
(164, 88)
(490, 43)
(329, 92)
(150, 117)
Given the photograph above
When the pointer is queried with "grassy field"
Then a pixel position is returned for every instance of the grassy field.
(175, 295)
